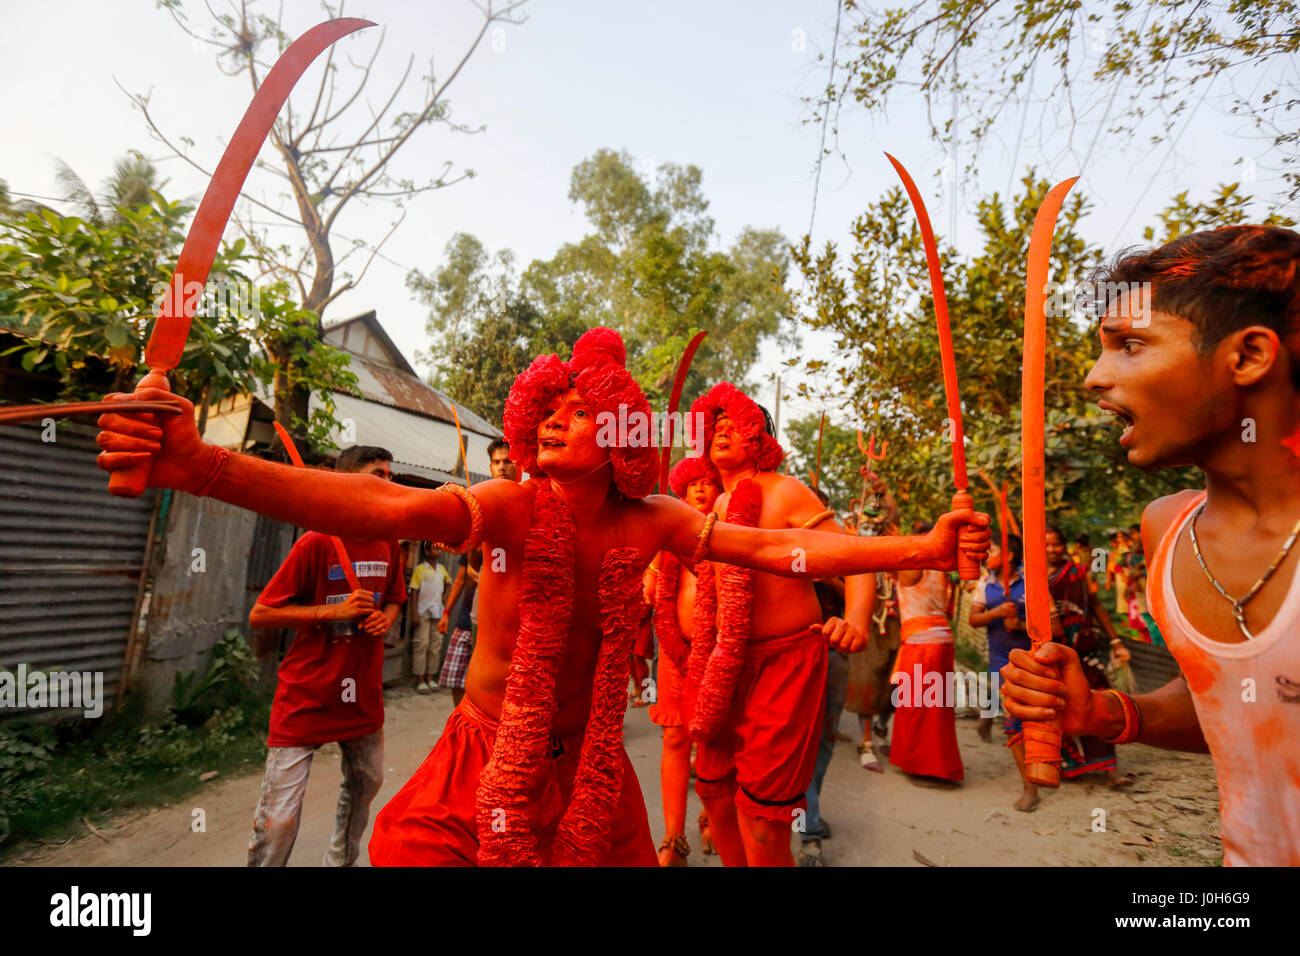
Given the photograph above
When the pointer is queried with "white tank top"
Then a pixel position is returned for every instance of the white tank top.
(1255, 744)
(927, 599)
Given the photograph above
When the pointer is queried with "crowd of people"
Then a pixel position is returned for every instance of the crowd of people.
(770, 616)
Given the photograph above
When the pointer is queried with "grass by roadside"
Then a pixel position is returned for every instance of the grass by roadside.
(56, 779)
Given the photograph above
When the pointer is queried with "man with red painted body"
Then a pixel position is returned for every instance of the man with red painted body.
(695, 481)
(752, 772)
(513, 779)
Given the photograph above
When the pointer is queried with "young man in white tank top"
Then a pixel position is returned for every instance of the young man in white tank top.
(1201, 361)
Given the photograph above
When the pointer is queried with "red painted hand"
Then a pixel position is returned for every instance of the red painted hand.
(841, 635)
(963, 531)
(177, 457)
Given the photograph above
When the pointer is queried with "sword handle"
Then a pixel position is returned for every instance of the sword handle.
(131, 482)
(1039, 771)
(967, 569)
(1043, 752)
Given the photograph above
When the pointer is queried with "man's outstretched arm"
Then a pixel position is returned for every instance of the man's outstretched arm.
(796, 553)
(347, 505)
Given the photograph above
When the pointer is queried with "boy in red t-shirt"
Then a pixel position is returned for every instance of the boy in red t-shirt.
(330, 685)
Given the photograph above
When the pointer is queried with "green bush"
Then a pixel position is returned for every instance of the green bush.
(53, 774)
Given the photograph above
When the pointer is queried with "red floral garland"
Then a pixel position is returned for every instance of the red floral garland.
(508, 783)
(545, 608)
(583, 833)
(671, 640)
(704, 636)
(735, 607)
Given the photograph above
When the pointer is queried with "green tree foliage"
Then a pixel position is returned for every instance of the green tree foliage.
(875, 299)
(482, 329)
(83, 294)
(1114, 66)
(648, 268)
(840, 458)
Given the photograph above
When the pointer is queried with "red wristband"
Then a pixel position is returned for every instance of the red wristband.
(1132, 720)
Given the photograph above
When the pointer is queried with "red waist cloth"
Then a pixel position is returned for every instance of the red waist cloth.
(925, 737)
(923, 622)
(767, 750)
(431, 820)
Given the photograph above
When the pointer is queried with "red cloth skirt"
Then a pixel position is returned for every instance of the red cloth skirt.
(431, 820)
(767, 750)
(925, 738)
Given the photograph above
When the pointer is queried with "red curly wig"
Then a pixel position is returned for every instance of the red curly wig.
(598, 370)
(745, 414)
(692, 469)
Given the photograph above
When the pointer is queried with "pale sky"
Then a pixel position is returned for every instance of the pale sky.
(717, 84)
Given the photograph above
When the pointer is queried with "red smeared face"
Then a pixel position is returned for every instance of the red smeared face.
(1174, 404)
(566, 439)
(729, 450)
(701, 494)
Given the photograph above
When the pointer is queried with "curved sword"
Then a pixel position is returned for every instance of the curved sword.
(1004, 519)
(460, 436)
(968, 569)
(1007, 522)
(674, 401)
(1042, 740)
(167, 340)
(1011, 518)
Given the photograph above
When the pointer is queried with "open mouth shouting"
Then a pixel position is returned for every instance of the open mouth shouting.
(1125, 417)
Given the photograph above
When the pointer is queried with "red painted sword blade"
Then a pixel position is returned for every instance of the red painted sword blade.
(1041, 755)
(167, 341)
(941, 322)
(674, 401)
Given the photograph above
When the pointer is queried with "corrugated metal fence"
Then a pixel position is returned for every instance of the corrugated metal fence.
(70, 555)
